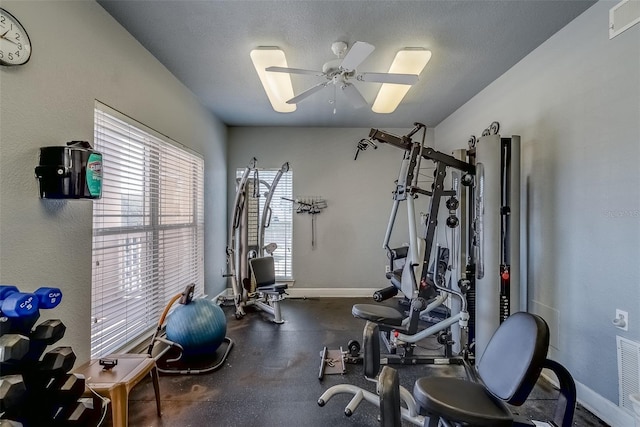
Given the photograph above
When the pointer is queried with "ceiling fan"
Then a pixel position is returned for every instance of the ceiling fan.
(341, 71)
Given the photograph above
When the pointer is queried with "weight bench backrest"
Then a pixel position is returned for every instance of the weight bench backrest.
(263, 270)
(514, 357)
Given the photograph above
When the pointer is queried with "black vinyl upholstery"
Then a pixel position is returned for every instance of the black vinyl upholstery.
(508, 371)
(264, 274)
(390, 415)
(514, 357)
(371, 350)
(378, 314)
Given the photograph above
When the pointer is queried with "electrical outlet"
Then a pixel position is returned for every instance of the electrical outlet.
(387, 269)
(621, 321)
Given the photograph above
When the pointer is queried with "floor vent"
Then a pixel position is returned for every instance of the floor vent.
(623, 16)
(628, 370)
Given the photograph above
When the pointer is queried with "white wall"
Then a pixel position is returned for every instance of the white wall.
(81, 54)
(576, 103)
(351, 230)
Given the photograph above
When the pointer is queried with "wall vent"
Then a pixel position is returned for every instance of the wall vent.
(623, 16)
(628, 370)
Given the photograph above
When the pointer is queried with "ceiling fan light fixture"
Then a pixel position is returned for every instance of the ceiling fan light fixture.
(407, 61)
(277, 86)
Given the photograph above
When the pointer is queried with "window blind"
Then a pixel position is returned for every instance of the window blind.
(148, 229)
(280, 230)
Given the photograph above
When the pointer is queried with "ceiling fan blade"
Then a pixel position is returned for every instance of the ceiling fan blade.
(294, 71)
(308, 92)
(353, 95)
(402, 79)
(356, 55)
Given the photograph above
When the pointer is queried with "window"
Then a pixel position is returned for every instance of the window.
(148, 229)
(280, 229)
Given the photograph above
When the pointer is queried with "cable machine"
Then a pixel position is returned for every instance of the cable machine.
(484, 255)
(246, 241)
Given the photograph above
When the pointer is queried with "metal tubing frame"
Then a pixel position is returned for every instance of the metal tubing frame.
(265, 220)
(238, 207)
(270, 305)
(441, 325)
(409, 413)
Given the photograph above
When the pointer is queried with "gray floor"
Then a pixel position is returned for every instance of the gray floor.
(271, 376)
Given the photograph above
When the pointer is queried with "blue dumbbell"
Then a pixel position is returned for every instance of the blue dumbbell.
(48, 297)
(14, 303)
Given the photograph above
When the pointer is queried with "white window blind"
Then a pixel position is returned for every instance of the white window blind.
(148, 229)
(280, 230)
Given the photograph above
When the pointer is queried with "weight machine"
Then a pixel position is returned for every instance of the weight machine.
(421, 278)
(478, 277)
(246, 243)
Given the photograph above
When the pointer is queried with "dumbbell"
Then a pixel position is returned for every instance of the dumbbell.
(46, 333)
(86, 411)
(66, 389)
(14, 303)
(48, 297)
(12, 392)
(13, 347)
(19, 353)
(57, 362)
(18, 325)
(57, 399)
(54, 364)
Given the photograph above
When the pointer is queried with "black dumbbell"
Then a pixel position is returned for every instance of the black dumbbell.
(18, 325)
(56, 398)
(87, 411)
(12, 392)
(57, 362)
(13, 347)
(65, 390)
(46, 333)
(54, 364)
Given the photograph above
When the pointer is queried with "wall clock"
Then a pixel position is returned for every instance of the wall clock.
(15, 46)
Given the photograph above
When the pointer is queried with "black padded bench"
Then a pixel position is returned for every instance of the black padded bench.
(264, 274)
(380, 314)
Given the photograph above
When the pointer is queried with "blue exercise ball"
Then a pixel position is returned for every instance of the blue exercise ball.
(199, 327)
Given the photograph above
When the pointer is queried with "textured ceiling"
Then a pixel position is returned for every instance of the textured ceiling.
(206, 45)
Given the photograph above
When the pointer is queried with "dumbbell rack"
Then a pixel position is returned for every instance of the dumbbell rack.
(36, 387)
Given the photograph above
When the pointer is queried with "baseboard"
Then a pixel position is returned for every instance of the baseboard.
(331, 292)
(225, 294)
(316, 293)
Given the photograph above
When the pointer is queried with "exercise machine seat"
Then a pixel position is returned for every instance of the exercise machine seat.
(378, 314)
(265, 276)
(507, 372)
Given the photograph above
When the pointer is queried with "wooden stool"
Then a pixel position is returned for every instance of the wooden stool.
(116, 383)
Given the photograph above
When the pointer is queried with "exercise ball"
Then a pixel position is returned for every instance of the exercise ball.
(199, 327)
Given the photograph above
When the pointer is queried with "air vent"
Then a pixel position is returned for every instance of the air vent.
(628, 370)
(623, 16)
